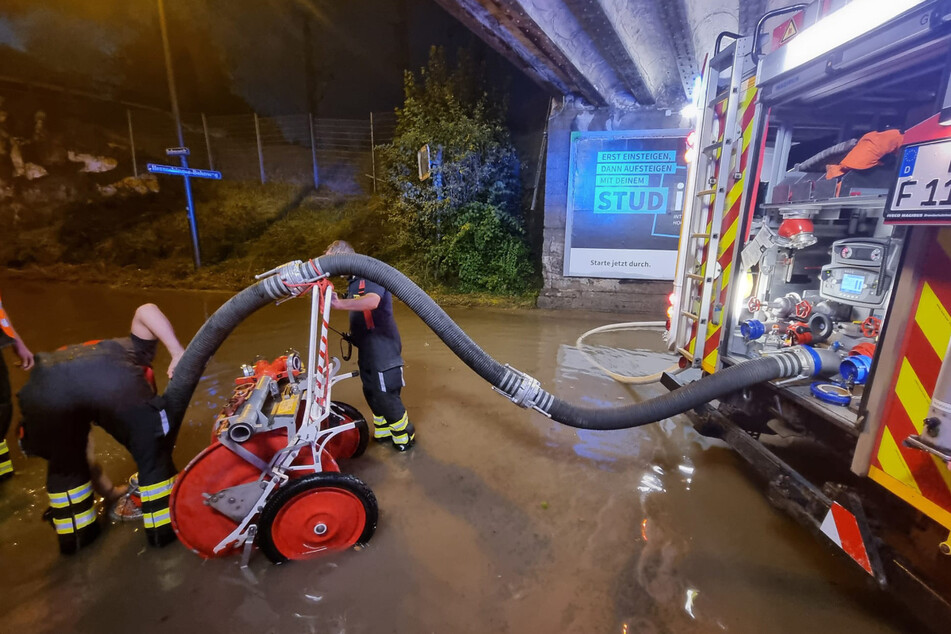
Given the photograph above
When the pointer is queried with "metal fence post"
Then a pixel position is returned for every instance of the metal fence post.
(135, 168)
(372, 153)
(313, 149)
(204, 127)
(257, 133)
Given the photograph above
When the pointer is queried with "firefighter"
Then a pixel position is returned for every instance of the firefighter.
(110, 383)
(373, 331)
(8, 337)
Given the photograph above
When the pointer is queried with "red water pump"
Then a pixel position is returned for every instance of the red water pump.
(271, 476)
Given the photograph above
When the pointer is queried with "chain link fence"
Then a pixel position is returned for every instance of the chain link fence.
(335, 154)
(46, 126)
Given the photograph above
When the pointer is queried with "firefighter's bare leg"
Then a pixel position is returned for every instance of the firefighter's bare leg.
(101, 483)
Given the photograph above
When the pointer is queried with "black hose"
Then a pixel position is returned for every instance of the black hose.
(519, 387)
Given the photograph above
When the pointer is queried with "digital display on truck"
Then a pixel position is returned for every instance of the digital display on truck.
(852, 283)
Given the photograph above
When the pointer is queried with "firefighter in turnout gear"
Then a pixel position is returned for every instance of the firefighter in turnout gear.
(373, 331)
(110, 383)
(8, 337)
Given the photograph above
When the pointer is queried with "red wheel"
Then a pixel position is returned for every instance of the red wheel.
(352, 443)
(871, 326)
(317, 514)
(199, 526)
(754, 304)
(803, 309)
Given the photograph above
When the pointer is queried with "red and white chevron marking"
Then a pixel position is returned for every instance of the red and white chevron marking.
(843, 529)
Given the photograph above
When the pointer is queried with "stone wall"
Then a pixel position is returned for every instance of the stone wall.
(642, 298)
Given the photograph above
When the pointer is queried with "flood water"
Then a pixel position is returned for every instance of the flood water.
(499, 520)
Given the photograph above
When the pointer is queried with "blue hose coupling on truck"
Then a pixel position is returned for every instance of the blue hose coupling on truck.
(855, 369)
(752, 329)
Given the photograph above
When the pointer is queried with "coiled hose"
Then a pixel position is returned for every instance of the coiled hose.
(289, 279)
(623, 378)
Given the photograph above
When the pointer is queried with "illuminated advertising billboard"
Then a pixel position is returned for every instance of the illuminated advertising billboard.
(625, 201)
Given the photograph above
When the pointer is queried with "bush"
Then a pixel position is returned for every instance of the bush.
(463, 226)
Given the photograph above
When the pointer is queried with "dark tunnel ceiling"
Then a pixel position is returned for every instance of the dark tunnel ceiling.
(622, 53)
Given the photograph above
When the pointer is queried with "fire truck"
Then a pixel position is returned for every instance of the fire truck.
(818, 214)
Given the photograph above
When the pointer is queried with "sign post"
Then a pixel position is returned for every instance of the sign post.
(181, 137)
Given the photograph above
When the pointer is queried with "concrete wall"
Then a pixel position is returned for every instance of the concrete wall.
(643, 298)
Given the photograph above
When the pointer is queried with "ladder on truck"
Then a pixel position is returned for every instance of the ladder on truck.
(696, 298)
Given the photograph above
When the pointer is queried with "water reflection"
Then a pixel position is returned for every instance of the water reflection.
(499, 520)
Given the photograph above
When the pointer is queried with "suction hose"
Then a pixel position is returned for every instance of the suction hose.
(291, 279)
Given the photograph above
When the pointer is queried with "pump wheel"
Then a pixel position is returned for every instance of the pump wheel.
(348, 444)
(754, 304)
(317, 514)
(200, 527)
(871, 326)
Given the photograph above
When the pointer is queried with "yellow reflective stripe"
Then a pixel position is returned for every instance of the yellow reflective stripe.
(58, 500)
(934, 320)
(381, 432)
(912, 394)
(401, 424)
(157, 519)
(80, 493)
(889, 455)
(917, 500)
(3, 446)
(156, 491)
(379, 421)
(63, 527)
(85, 518)
(6, 467)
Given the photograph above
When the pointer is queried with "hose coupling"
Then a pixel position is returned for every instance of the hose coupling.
(287, 280)
(804, 361)
(524, 390)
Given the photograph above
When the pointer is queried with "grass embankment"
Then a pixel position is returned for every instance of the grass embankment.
(244, 229)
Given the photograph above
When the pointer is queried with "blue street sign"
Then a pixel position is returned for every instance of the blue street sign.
(182, 171)
(177, 151)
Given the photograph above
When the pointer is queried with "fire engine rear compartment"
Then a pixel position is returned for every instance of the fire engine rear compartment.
(835, 297)
(816, 264)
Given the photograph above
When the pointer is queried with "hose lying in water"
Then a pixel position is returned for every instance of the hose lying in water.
(291, 279)
(622, 378)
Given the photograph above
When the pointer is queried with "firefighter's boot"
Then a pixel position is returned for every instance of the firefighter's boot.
(381, 429)
(6, 466)
(403, 433)
(155, 512)
(74, 517)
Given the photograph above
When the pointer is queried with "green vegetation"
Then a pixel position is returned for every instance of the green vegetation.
(461, 228)
(460, 234)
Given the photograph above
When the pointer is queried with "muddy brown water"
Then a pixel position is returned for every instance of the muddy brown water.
(498, 521)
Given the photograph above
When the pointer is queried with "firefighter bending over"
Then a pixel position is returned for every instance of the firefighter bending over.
(110, 383)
